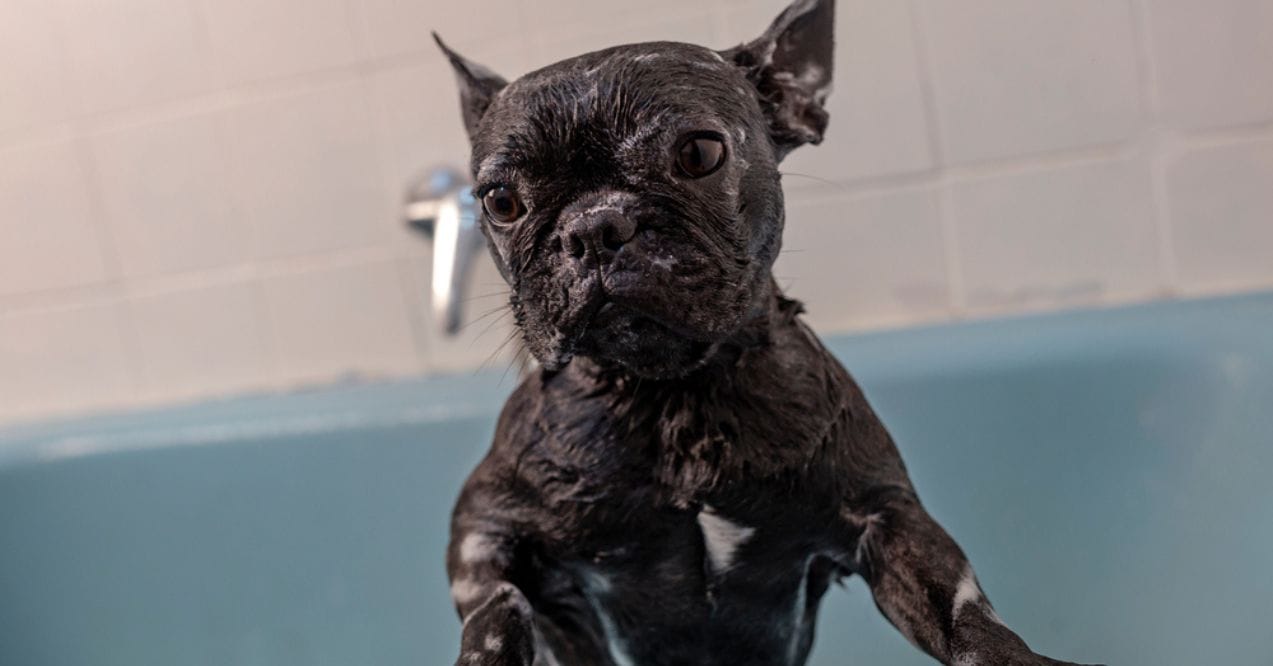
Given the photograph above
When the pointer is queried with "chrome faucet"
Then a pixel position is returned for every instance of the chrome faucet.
(441, 206)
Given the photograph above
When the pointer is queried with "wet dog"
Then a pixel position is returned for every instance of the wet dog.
(688, 469)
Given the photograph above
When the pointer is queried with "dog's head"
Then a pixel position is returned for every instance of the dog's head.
(632, 196)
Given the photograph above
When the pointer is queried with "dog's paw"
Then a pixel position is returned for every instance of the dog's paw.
(499, 632)
(493, 652)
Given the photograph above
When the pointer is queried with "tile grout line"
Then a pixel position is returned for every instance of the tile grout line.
(69, 298)
(951, 251)
(115, 284)
(1155, 147)
(221, 98)
(1228, 135)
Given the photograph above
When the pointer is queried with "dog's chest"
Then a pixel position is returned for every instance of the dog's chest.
(672, 583)
(699, 544)
(693, 585)
(678, 543)
(613, 505)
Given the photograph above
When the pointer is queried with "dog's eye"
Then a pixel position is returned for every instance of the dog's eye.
(700, 155)
(502, 204)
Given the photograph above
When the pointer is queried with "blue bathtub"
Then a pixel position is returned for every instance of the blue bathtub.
(1110, 473)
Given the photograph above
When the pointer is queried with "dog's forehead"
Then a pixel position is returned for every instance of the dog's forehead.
(635, 78)
(634, 60)
(621, 92)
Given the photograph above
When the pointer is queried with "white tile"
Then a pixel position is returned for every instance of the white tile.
(398, 27)
(418, 127)
(416, 111)
(1222, 216)
(603, 24)
(1013, 77)
(126, 53)
(485, 340)
(340, 321)
(63, 361)
(306, 172)
(567, 28)
(261, 39)
(1214, 60)
(47, 236)
(164, 189)
(1079, 234)
(865, 261)
(877, 122)
(418, 124)
(31, 65)
(199, 342)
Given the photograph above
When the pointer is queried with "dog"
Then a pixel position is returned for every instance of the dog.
(688, 469)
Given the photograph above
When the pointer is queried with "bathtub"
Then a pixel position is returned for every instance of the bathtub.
(1108, 472)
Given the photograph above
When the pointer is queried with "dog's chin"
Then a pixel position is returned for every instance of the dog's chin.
(619, 337)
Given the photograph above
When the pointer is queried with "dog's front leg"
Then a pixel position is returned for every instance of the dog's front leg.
(498, 619)
(925, 586)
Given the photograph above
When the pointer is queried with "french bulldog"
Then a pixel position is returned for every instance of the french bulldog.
(688, 469)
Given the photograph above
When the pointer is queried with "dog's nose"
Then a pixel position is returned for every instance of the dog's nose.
(599, 234)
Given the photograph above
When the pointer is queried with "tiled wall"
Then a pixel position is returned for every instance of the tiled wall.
(200, 197)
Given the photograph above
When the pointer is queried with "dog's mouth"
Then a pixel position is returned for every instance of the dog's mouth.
(616, 320)
(601, 303)
(649, 346)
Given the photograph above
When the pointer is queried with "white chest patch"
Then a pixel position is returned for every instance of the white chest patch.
(721, 537)
(597, 586)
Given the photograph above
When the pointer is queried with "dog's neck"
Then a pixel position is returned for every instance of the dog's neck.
(762, 404)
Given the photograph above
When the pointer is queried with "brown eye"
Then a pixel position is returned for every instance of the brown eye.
(700, 155)
(502, 204)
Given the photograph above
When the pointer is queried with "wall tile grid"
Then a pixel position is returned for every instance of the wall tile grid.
(201, 197)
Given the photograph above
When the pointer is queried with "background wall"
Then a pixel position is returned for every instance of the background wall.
(200, 197)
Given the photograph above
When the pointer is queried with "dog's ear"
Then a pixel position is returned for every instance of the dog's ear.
(790, 65)
(478, 86)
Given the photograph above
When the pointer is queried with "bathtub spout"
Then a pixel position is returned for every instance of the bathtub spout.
(441, 206)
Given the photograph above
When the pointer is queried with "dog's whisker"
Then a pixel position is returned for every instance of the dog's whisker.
(493, 323)
(495, 308)
(483, 316)
(479, 297)
(509, 366)
(486, 364)
(819, 179)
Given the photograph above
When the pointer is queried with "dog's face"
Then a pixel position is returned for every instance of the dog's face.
(631, 195)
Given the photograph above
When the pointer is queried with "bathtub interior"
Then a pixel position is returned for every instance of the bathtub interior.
(1108, 473)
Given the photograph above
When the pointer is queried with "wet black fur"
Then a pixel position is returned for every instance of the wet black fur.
(675, 380)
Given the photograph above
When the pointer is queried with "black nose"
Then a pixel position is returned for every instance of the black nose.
(598, 235)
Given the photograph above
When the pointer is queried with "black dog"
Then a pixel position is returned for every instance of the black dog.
(689, 469)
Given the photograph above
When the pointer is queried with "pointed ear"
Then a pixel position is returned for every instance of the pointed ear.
(478, 86)
(790, 65)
